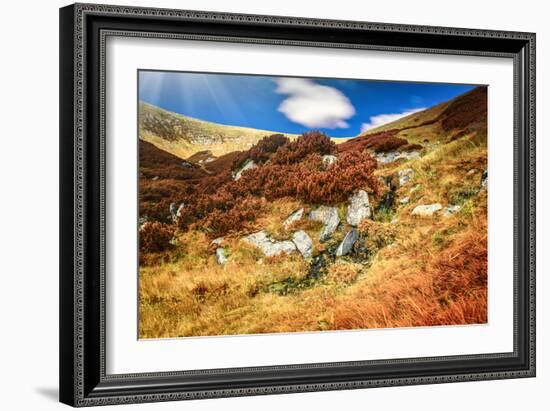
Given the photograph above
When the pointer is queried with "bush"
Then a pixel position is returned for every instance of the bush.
(220, 204)
(267, 146)
(309, 181)
(155, 237)
(308, 143)
(219, 223)
(262, 151)
(352, 171)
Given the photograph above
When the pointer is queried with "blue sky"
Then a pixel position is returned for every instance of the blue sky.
(340, 108)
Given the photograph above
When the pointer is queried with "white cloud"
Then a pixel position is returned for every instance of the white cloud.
(314, 105)
(380, 119)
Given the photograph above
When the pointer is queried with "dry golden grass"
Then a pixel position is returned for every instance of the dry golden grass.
(433, 273)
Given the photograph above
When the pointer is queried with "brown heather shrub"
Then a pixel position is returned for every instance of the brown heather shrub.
(310, 182)
(241, 216)
(220, 204)
(262, 150)
(380, 142)
(308, 143)
(351, 172)
(155, 237)
(231, 206)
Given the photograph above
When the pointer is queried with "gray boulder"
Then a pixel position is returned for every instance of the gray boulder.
(396, 155)
(217, 241)
(221, 256)
(359, 208)
(404, 200)
(269, 246)
(303, 243)
(408, 155)
(405, 176)
(426, 210)
(295, 216)
(347, 243)
(173, 211)
(329, 217)
(248, 165)
(386, 157)
(451, 210)
(329, 160)
(176, 211)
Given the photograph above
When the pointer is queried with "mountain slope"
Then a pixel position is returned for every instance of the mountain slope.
(156, 163)
(465, 113)
(184, 136)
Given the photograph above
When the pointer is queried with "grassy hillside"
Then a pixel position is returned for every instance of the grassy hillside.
(405, 269)
(184, 136)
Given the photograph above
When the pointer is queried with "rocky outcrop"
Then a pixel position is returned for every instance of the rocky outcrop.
(426, 210)
(295, 216)
(303, 243)
(248, 165)
(329, 160)
(221, 256)
(359, 208)
(204, 139)
(404, 200)
(329, 217)
(405, 176)
(269, 246)
(396, 155)
(450, 210)
(347, 243)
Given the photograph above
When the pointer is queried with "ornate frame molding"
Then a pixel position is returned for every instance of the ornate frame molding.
(76, 388)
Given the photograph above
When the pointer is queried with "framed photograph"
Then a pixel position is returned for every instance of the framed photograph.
(260, 204)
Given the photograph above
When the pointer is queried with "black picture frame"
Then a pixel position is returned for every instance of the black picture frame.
(83, 30)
